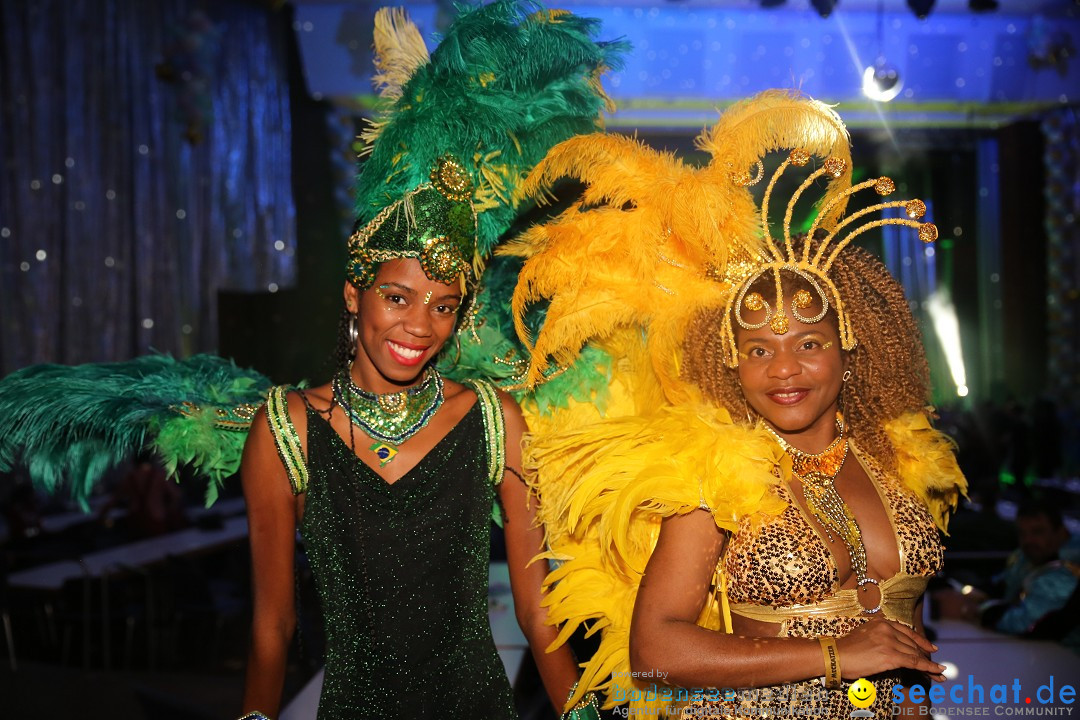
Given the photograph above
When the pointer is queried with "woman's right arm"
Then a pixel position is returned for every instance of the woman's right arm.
(271, 510)
(665, 638)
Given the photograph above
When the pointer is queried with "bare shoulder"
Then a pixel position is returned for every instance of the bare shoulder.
(453, 390)
(262, 474)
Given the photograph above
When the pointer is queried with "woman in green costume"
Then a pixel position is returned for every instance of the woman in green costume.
(392, 472)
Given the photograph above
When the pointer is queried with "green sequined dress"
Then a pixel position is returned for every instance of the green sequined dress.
(402, 574)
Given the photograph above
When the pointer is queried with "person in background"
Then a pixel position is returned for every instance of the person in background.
(22, 511)
(154, 504)
(1040, 578)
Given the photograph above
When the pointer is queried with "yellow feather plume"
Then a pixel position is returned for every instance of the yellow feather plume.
(399, 50)
(778, 120)
(651, 235)
(604, 488)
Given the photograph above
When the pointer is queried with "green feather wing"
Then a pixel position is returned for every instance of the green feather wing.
(69, 425)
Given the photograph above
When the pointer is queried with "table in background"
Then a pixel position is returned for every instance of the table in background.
(992, 658)
(122, 559)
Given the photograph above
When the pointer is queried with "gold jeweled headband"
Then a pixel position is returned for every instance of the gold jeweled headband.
(812, 269)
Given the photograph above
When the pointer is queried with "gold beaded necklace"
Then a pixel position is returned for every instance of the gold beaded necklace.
(817, 471)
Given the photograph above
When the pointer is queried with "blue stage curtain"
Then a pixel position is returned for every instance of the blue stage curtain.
(144, 165)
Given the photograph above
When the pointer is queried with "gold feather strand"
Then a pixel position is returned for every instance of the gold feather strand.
(774, 120)
(399, 51)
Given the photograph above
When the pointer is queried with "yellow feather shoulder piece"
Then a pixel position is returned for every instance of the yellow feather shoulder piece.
(604, 489)
(926, 463)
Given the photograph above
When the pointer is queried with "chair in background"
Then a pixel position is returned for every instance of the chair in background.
(194, 610)
(92, 608)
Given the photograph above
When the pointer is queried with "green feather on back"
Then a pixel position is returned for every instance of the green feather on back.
(488, 347)
(69, 425)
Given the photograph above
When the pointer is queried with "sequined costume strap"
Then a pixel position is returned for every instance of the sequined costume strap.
(898, 597)
(286, 438)
(494, 427)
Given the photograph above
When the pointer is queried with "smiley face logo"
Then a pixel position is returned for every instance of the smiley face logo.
(862, 693)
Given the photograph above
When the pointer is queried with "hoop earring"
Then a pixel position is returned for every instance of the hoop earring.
(354, 334)
(843, 391)
(746, 409)
(457, 350)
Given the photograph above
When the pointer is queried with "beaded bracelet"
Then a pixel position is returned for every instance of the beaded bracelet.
(253, 715)
(832, 662)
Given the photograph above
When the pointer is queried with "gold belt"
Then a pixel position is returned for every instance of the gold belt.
(898, 597)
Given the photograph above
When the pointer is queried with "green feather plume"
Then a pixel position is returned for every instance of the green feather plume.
(504, 85)
(69, 425)
(488, 347)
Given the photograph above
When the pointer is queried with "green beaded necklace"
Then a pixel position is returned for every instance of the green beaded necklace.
(393, 418)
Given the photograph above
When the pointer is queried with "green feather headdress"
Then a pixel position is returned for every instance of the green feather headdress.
(463, 126)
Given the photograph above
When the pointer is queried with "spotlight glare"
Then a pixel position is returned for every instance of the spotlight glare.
(881, 81)
(947, 328)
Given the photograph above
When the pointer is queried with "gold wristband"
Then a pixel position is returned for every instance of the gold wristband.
(832, 662)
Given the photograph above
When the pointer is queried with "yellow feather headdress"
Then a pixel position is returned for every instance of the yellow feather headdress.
(653, 237)
(814, 268)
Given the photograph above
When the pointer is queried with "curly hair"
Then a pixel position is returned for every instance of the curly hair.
(889, 372)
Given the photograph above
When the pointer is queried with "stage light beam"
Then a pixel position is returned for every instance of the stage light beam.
(947, 328)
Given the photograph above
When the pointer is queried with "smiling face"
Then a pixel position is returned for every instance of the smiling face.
(862, 693)
(793, 380)
(404, 320)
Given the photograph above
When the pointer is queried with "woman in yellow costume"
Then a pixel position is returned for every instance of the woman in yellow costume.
(757, 505)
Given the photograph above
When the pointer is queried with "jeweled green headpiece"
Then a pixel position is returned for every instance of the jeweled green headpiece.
(435, 223)
(464, 126)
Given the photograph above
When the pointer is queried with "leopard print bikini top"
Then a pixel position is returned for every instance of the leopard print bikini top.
(783, 560)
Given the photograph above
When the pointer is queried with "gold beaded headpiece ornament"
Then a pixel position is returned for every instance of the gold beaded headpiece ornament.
(814, 269)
